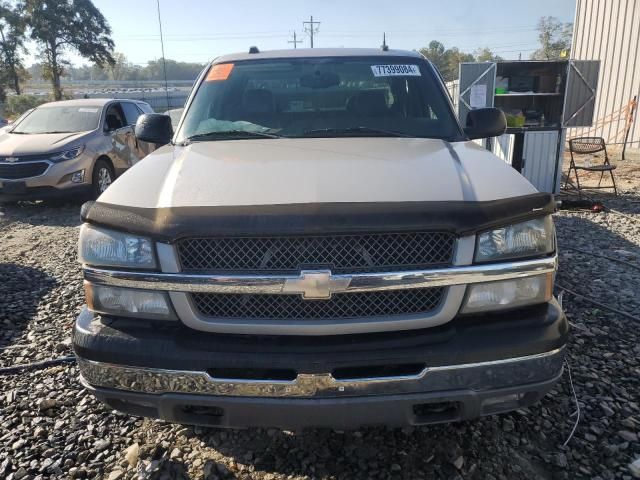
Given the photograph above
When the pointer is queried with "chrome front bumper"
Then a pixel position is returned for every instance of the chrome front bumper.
(476, 377)
(356, 282)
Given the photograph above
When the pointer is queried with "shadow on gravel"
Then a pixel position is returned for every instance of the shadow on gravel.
(629, 204)
(438, 451)
(65, 213)
(21, 290)
(598, 262)
(626, 203)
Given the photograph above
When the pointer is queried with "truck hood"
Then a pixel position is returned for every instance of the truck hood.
(14, 144)
(315, 170)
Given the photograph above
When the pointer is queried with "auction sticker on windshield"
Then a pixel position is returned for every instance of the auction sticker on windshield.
(395, 70)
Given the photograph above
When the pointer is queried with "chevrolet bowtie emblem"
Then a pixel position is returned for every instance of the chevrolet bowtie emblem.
(11, 159)
(316, 284)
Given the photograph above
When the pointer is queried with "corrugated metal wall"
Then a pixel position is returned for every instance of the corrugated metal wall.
(540, 147)
(452, 86)
(609, 31)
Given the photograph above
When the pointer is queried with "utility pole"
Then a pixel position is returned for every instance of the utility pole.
(164, 60)
(294, 41)
(311, 29)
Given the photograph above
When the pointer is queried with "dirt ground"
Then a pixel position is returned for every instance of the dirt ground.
(627, 172)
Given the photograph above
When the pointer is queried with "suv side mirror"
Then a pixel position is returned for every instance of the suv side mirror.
(154, 128)
(485, 123)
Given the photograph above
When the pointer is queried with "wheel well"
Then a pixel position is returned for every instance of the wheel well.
(107, 160)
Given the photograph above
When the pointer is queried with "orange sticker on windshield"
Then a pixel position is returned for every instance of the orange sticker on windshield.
(219, 72)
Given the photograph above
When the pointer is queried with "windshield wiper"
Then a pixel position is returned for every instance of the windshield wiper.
(238, 134)
(55, 131)
(354, 130)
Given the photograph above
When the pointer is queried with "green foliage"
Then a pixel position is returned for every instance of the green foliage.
(486, 55)
(126, 71)
(12, 36)
(554, 37)
(18, 104)
(447, 60)
(61, 25)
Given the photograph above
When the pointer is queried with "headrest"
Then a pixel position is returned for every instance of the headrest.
(370, 103)
(258, 101)
(113, 121)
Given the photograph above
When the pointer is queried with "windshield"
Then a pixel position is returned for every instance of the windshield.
(59, 120)
(320, 97)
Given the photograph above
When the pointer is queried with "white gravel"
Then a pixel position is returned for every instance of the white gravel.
(50, 428)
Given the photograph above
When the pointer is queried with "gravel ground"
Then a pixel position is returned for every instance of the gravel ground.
(50, 428)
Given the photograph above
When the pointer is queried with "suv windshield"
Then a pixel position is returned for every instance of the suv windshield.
(59, 119)
(320, 97)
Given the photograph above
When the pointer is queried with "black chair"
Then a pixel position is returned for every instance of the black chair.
(589, 146)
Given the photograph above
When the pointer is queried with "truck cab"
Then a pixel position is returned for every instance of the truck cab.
(319, 244)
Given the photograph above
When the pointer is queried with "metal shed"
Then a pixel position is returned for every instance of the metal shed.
(541, 99)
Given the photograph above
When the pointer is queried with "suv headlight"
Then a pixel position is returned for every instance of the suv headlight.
(526, 239)
(67, 155)
(101, 247)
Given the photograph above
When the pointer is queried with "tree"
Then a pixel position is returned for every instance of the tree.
(61, 25)
(554, 37)
(455, 57)
(120, 66)
(446, 60)
(435, 53)
(12, 36)
(486, 55)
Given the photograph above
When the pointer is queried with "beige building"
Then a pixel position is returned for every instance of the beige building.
(609, 31)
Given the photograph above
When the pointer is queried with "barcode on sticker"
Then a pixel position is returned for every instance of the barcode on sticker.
(395, 70)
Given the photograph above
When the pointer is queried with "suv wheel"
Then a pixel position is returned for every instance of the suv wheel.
(103, 176)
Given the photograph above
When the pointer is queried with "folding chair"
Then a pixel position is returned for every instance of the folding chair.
(584, 146)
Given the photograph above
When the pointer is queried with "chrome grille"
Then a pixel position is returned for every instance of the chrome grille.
(22, 170)
(340, 253)
(339, 306)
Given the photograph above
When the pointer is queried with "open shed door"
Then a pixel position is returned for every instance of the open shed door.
(476, 87)
(580, 96)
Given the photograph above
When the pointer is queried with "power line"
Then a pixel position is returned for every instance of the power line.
(164, 60)
(311, 29)
(294, 41)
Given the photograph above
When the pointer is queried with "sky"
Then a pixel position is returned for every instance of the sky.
(200, 30)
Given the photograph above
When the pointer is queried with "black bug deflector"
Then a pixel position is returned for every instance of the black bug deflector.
(459, 217)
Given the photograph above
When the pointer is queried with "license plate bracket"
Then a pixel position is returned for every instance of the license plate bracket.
(14, 188)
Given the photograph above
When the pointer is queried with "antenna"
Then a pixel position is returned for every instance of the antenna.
(294, 41)
(311, 30)
(164, 60)
(385, 47)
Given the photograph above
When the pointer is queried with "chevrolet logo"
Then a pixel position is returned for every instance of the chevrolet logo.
(11, 159)
(316, 284)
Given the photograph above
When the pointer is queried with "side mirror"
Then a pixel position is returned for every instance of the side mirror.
(154, 128)
(485, 123)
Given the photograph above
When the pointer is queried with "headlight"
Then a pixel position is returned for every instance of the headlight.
(67, 155)
(534, 237)
(128, 302)
(114, 249)
(505, 294)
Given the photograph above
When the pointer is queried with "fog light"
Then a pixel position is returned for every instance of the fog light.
(128, 302)
(77, 177)
(491, 296)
